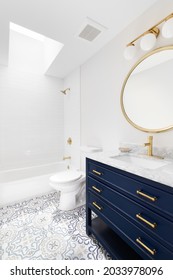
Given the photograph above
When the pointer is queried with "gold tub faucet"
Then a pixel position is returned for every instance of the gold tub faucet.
(69, 157)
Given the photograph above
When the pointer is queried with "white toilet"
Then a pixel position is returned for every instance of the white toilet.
(71, 183)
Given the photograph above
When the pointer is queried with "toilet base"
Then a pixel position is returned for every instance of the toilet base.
(67, 201)
(72, 194)
(72, 200)
(69, 207)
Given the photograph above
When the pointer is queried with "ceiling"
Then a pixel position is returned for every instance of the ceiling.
(61, 20)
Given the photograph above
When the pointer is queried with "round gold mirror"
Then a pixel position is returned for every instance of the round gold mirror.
(147, 92)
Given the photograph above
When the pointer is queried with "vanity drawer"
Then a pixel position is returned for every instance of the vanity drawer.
(141, 192)
(141, 242)
(148, 220)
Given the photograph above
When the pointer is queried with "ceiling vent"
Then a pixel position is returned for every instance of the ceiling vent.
(90, 30)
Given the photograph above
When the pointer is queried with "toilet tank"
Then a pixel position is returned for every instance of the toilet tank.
(86, 151)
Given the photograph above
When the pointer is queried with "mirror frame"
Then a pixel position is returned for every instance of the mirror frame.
(124, 85)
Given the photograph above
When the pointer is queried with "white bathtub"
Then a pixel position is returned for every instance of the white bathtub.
(24, 183)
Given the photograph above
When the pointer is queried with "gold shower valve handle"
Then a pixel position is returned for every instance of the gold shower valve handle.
(69, 141)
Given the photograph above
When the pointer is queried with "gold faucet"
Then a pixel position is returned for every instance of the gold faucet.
(69, 157)
(149, 144)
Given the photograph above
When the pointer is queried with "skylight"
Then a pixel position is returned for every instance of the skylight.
(26, 32)
(28, 54)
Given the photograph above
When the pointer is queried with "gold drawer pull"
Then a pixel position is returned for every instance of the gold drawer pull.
(152, 198)
(138, 216)
(96, 172)
(97, 206)
(152, 252)
(96, 189)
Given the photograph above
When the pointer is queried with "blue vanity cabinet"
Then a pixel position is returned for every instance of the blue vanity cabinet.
(134, 215)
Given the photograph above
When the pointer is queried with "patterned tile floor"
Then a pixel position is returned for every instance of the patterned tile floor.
(36, 230)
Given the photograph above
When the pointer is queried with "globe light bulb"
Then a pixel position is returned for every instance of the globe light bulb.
(148, 41)
(167, 28)
(130, 52)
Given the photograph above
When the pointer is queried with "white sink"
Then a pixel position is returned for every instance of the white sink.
(140, 161)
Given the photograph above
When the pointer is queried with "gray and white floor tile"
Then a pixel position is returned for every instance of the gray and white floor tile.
(37, 230)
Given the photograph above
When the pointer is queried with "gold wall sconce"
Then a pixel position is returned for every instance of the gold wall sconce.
(149, 37)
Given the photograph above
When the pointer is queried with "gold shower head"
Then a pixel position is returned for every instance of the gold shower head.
(65, 91)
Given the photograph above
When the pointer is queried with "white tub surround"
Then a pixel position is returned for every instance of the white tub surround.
(31, 119)
(24, 183)
(10, 175)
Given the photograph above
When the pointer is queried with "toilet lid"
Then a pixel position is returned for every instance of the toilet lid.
(66, 176)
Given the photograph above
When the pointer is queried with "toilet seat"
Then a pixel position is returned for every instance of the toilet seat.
(66, 176)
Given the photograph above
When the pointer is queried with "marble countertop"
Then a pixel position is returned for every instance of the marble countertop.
(162, 174)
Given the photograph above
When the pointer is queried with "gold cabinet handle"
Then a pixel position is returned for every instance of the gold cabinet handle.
(97, 206)
(138, 216)
(96, 189)
(152, 198)
(151, 251)
(96, 172)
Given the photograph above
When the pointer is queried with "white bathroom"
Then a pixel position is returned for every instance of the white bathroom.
(70, 142)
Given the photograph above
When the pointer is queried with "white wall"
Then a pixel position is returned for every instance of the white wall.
(31, 119)
(102, 122)
(72, 117)
(31, 107)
